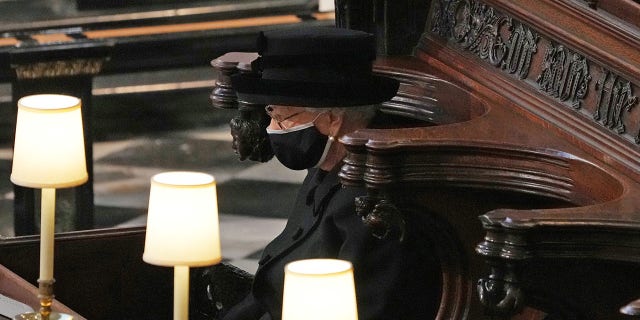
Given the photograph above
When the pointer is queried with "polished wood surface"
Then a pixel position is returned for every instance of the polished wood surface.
(19, 289)
(99, 274)
(526, 172)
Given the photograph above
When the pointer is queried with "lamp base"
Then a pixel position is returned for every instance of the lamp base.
(37, 316)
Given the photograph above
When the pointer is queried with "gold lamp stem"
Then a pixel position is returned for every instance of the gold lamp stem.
(45, 293)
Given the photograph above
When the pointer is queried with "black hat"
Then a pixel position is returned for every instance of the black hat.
(314, 67)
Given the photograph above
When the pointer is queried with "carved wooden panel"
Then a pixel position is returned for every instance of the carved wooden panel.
(537, 60)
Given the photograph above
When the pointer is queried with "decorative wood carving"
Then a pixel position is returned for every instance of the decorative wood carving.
(498, 38)
(382, 216)
(521, 47)
(615, 96)
(250, 140)
(477, 28)
(59, 69)
(33, 60)
(565, 75)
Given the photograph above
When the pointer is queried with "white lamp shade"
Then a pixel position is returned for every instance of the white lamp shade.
(318, 289)
(182, 222)
(49, 143)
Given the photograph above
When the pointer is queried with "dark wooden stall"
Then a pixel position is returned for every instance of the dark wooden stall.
(525, 171)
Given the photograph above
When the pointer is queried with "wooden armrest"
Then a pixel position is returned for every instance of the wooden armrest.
(14, 287)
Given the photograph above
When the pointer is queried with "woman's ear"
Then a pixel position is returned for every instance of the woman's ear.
(324, 122)
(335, 123)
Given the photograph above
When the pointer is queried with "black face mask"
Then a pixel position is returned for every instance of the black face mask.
(300, 147)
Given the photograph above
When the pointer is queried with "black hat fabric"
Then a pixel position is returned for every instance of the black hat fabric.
(314, 67)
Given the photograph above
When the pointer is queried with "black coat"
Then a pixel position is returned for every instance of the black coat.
(394, 280)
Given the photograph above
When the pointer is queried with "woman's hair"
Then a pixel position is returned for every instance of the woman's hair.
(357, 114)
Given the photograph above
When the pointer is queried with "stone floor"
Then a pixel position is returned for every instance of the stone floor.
(254, 198)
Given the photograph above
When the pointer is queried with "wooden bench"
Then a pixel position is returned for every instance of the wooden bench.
(99, 273)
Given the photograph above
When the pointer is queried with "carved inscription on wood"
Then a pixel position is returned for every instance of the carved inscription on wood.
(555, 69)
(565, 75)
(520, 49)
(615, 96)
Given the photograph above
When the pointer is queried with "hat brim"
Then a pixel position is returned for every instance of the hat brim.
(256, 90)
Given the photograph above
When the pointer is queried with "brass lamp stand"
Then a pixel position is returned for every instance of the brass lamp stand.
(48, 154)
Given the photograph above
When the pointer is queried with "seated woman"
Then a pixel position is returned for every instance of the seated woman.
(317, 85)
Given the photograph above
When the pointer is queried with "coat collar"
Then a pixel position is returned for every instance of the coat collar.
(321, 186)
(324, 184)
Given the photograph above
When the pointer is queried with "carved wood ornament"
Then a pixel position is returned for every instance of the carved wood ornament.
(250, 139)
(562, 73)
